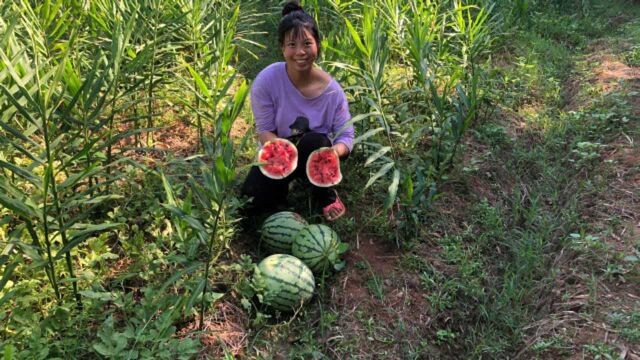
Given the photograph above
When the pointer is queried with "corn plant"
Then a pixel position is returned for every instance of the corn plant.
(213, 61)
(159, 21)
(471, 35)
(196, 45)
(393, 13)
(211, 189)
(52, 116)
(442, 43)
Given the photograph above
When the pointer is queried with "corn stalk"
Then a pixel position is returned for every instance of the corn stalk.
(52, 193)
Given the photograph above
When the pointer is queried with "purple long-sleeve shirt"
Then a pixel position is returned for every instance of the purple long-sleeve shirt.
(276, 103)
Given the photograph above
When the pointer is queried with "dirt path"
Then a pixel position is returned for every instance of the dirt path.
(599, 313)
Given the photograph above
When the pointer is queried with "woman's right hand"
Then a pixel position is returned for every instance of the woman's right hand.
(266, 136)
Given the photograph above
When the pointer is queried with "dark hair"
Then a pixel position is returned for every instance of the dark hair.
(295, 18)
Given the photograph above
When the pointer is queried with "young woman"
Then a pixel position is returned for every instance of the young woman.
(296, 99)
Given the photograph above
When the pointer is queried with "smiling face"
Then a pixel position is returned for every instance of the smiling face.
(299, 50)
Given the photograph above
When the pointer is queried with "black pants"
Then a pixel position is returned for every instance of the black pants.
(271, 195)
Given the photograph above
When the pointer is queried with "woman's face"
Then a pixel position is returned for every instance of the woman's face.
(300, 51)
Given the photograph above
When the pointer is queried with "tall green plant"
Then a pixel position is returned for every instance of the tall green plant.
(50, 194)
(411, 132)
(472, 34)
(211, 190)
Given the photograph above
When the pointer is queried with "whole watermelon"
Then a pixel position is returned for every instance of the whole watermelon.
(319, 247)
(283, 282)
(279, 230)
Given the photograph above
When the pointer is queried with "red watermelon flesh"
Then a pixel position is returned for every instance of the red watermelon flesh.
(323, 167)
(280, 157)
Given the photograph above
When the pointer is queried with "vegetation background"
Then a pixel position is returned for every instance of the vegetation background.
(493, 195)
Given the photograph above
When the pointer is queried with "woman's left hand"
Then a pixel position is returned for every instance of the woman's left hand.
(341, 149)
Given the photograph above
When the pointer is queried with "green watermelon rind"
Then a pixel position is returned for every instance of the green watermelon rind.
(318, 246)
(283, 282)
(279, 230)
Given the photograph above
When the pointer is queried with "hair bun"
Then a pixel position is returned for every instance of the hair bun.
(290, 7)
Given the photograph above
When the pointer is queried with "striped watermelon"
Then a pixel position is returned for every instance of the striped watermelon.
(283, 282)
(279, 230)
(319, 247)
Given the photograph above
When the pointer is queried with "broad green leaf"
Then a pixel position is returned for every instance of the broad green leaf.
(6, 253)
(197, 292)
(393, 190)
(73, 179)
(77, 237)
(8, 271)
(238, 101)
(193, 222)
(178, 274)
(8, 350)
(102, 296)
(383, 171)
(343, 247)
(356, 38)
(367, 135)
(196, 77)
(23, 173)
(8, 296)
(20, 84)
(95, 200)
(59, 72)
(168, 190)
(21, 109)
(377, 155)
(20, 135)
(354, 120)
(408, 184)
(17, 207)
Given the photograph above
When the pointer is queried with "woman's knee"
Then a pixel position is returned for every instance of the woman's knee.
(313, 141)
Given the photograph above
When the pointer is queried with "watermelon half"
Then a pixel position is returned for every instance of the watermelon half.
(280, 158)
(323, 167)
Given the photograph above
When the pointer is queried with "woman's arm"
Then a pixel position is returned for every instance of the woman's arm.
(262, 106)
(344, 140)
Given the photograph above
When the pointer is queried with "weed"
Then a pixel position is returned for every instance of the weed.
(445, 336)
(632, 56)
(628, 323)
(375, 285)
(553, 343)
(601, 351)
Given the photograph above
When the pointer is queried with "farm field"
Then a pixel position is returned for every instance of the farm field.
(493, 194)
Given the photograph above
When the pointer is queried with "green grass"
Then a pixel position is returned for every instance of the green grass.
(514, 221)
(496, 269)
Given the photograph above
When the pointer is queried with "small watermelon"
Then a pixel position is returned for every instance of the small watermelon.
(323, 167)
(283, 282)
(279, 230)
(319, 247)
(279, 158)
